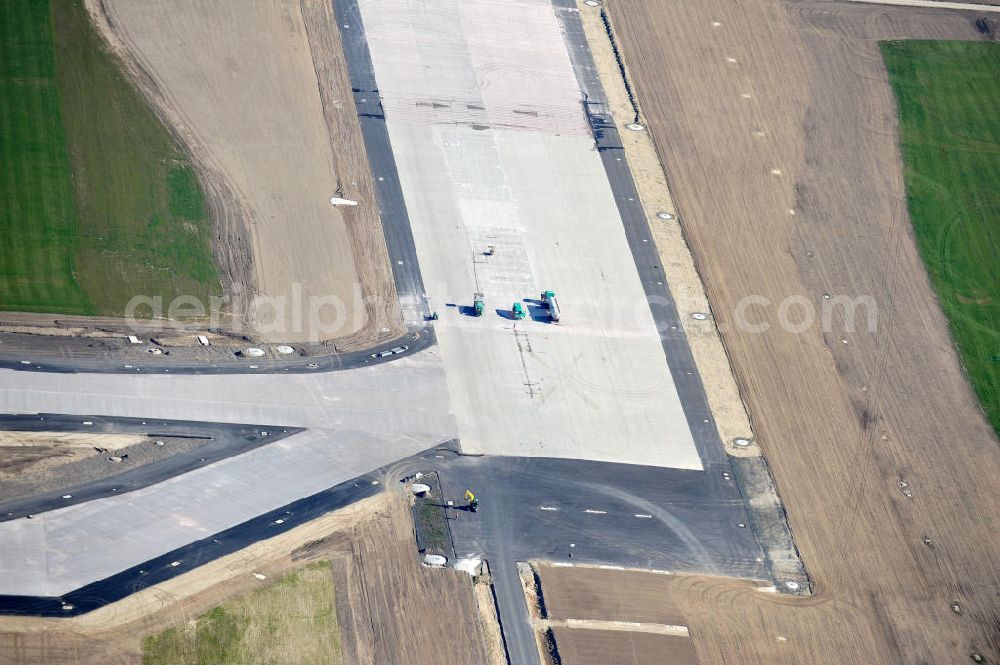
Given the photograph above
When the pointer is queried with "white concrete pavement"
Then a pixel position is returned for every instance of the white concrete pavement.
(62, 550)
(359, 420)
(405, 396)
(492, 146)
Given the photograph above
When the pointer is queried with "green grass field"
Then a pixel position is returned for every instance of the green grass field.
(99, 204)
(948, 95)
(291, 622)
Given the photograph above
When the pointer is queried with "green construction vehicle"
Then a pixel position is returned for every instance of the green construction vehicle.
(478, 303)
(518, 310)
(549, 298)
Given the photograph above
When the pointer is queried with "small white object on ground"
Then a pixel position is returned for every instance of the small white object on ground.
(435, 560)
(255, 352)
(285, 349)
(202, 340)
(470, 565)
(337, 201)
(420, 488)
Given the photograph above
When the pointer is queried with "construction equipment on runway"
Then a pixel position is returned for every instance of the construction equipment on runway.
(471, 499)
(478, 303)
(490, 250)
(549, 298)
(518, 311)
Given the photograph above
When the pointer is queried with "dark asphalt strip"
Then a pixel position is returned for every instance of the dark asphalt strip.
(416, 339)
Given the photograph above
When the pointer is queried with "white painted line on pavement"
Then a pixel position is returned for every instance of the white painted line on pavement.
(595, 512)
(644, 517)
(549, 508)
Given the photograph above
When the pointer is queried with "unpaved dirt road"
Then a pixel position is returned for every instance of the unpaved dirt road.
(776, 124)
(258, 92)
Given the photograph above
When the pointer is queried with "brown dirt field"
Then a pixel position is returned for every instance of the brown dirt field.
(777, 129)
(390, 608)
(608, 595)
(600, 647)
(258, 93)
(28, 453)
(398, 612)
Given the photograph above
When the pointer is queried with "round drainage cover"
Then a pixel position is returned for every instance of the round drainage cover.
(435, 560)
(741, 442)
(285, 349)
(665, 216)
(255, 352)
(699, 316)
(420, 488)
(635, 127)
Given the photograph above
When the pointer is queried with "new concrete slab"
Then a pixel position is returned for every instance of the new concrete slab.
(62, 550)
(406, 397)
(493, 149)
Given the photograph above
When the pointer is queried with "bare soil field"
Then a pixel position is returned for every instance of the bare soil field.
(258, 92)
(609, 595)
(389, 607)
(36, 462)
(776, 124)
(26, 454)
(599, 647)
(394, 611)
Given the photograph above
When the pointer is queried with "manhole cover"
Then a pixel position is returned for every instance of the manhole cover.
(665, 216)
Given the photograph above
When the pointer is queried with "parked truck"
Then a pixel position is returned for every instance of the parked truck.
(549, 298)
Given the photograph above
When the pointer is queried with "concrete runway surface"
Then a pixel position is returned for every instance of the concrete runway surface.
(407, 395)
(485, 125)
(358, 420)
(493, 148)
(62, 550)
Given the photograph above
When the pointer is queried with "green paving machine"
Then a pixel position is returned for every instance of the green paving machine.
(478, 303)
(549, 298)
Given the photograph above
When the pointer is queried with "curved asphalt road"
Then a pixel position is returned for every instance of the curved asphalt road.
(416, 339)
